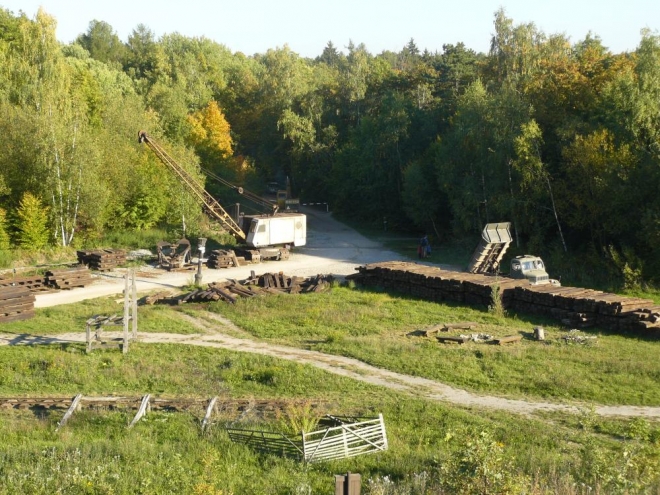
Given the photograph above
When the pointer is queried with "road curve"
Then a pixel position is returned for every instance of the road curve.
(212, 336)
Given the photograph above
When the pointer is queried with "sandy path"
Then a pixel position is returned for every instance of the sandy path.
(211, 336)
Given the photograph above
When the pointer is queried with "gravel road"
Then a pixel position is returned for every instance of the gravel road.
(332, 248)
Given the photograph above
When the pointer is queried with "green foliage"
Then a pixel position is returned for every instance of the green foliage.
(629, 470)
(32, 223)
(496, 307)
(480, 466)
(297, 418)
(630, 267)
(4, 234)
(559, 138)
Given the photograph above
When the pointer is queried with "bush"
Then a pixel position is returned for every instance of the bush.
(496, 307)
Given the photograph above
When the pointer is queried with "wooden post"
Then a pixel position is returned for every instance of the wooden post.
(70, 411)
(209, 411)
(88, 335)
(144, 407)
(350, 484)
(340, 479)
(124, 348)
(134, 315)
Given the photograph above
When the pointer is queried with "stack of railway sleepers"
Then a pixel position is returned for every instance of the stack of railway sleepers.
(573, 306)
(102, 259)
(436, 284)
(35, 283)
(69, 278)
(220, 258)
(231, 290)
(16, 303)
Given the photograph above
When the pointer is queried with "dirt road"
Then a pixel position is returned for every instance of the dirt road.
(332, 248)
(211, 335)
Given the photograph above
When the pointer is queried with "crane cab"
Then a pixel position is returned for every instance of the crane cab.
(276, 230)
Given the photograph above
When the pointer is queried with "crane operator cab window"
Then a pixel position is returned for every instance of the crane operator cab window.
(256, 227)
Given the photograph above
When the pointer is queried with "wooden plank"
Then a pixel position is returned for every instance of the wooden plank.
(70, 411)
(144, 406)
(17, 305)
(225, 295)
(452, 340)
(14, 292)
(17, 317)
(508, 339)
(209, 411)
(465, 325)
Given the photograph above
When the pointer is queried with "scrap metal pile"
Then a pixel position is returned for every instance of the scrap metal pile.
(174, 257)
(232, 290)
(573, 306)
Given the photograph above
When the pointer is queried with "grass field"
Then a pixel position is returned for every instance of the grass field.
(433, 448)
(72, 317)
(379, 329)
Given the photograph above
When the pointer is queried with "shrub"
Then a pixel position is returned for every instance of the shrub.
(496, 307)
(481, 467)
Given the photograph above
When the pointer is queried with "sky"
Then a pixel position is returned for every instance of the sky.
(306, 26)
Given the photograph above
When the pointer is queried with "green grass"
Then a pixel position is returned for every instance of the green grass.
(167, 453)
(434, 448)
(450, 251)
(156, 368)
(378, 328)
(19, 258)
(127, 239)
(69, 318)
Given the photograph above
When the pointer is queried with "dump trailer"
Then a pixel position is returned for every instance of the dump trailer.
(495, 240)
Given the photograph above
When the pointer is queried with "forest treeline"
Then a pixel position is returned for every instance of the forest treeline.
(560, 138)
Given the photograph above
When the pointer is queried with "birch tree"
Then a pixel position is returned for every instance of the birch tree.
(41, 85)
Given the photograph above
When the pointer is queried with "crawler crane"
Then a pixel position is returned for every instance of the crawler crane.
(261, 236)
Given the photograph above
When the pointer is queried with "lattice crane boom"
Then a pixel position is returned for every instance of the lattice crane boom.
(212, 207)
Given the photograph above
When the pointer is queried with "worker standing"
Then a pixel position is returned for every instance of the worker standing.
(423, 248)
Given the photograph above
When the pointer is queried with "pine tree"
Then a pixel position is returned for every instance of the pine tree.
(32, 223)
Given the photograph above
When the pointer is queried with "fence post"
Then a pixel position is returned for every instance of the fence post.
(134, 316)
(350, 484)
(126, 314)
